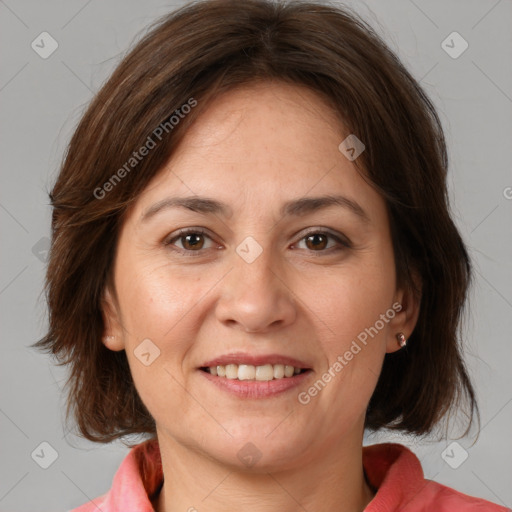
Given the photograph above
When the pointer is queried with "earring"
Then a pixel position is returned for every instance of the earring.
(400, 338)
(108, 338)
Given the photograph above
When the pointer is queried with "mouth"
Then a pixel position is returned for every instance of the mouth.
(250, 372)
(249, 376)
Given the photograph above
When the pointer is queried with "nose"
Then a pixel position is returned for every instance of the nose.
(257, 296)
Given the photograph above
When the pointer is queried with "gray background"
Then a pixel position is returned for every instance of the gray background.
(41, 101)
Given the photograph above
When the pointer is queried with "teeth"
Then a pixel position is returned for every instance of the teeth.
(288, 371)
(278, 371)
(246, 372)
(265, 372)
(232, 371)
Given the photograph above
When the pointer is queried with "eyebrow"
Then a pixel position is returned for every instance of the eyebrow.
(296, 207)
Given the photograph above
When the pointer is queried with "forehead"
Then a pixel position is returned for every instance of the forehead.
(265, 125)
(258, 145)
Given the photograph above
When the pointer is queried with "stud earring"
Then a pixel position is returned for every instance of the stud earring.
(400, 338)
(108, 338)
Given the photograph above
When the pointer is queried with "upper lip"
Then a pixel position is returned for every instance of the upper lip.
(255, 360)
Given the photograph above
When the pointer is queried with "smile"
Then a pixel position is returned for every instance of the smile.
(264, 372)
(257, 381)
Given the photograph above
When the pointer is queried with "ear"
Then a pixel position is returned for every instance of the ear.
(406, 317)
(113, 334)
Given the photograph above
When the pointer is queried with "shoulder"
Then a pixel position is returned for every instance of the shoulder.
(396, 474)
(134, 484)
(92, 506)
(446, 499)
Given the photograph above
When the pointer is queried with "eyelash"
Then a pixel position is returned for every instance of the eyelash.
(343, 243)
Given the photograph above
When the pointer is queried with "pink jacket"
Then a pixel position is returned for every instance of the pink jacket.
(391, 468)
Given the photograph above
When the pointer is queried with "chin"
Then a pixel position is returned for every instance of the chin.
(259, 449)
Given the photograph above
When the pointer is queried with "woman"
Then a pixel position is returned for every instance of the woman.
(253, 261)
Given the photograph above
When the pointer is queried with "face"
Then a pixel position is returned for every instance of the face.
(256, 248)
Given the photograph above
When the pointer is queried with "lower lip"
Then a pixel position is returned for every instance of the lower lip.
(256, 388)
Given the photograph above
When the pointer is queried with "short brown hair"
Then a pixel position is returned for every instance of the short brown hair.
(196, 53)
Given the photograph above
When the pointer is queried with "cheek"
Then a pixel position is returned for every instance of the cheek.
(156, 298)
(355, 299)
(159, 305)
(357, 308)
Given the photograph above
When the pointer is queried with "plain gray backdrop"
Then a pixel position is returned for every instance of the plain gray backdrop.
(41, 102)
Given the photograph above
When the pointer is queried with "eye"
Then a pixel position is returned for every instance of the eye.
(190, 240)
(318, 241)
(194, 240)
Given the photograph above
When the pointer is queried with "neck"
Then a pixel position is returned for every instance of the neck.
(333, 480)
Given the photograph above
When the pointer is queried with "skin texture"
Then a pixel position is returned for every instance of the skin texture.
(254, 149)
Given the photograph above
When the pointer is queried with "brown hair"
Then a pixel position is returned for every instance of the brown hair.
(192, 55)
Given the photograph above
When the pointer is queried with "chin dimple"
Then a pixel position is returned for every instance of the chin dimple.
(264, 372)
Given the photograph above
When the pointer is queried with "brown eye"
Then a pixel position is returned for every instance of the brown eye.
(192, 241)
(316, 241)
(189, 241)
(323, 242)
